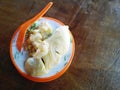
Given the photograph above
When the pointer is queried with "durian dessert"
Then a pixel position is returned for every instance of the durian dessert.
(45, 47)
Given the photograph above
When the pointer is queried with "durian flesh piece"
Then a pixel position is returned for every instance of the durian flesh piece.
(58, 45)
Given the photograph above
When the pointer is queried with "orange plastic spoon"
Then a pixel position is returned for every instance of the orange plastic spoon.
(23, 28)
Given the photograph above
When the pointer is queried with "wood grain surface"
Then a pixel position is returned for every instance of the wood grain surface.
(95, 25)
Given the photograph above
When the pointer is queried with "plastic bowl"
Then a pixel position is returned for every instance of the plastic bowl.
(18, 58)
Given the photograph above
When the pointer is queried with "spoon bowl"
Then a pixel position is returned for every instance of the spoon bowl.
(23, 28)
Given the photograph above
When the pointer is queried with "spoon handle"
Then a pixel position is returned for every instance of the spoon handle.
(39, 15)
(23, 27)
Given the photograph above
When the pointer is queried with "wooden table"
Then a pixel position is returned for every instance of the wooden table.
(95, 25)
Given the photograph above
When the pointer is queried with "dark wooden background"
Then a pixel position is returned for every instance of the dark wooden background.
(95, 25)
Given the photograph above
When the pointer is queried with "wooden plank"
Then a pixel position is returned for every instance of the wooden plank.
(95, 25)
